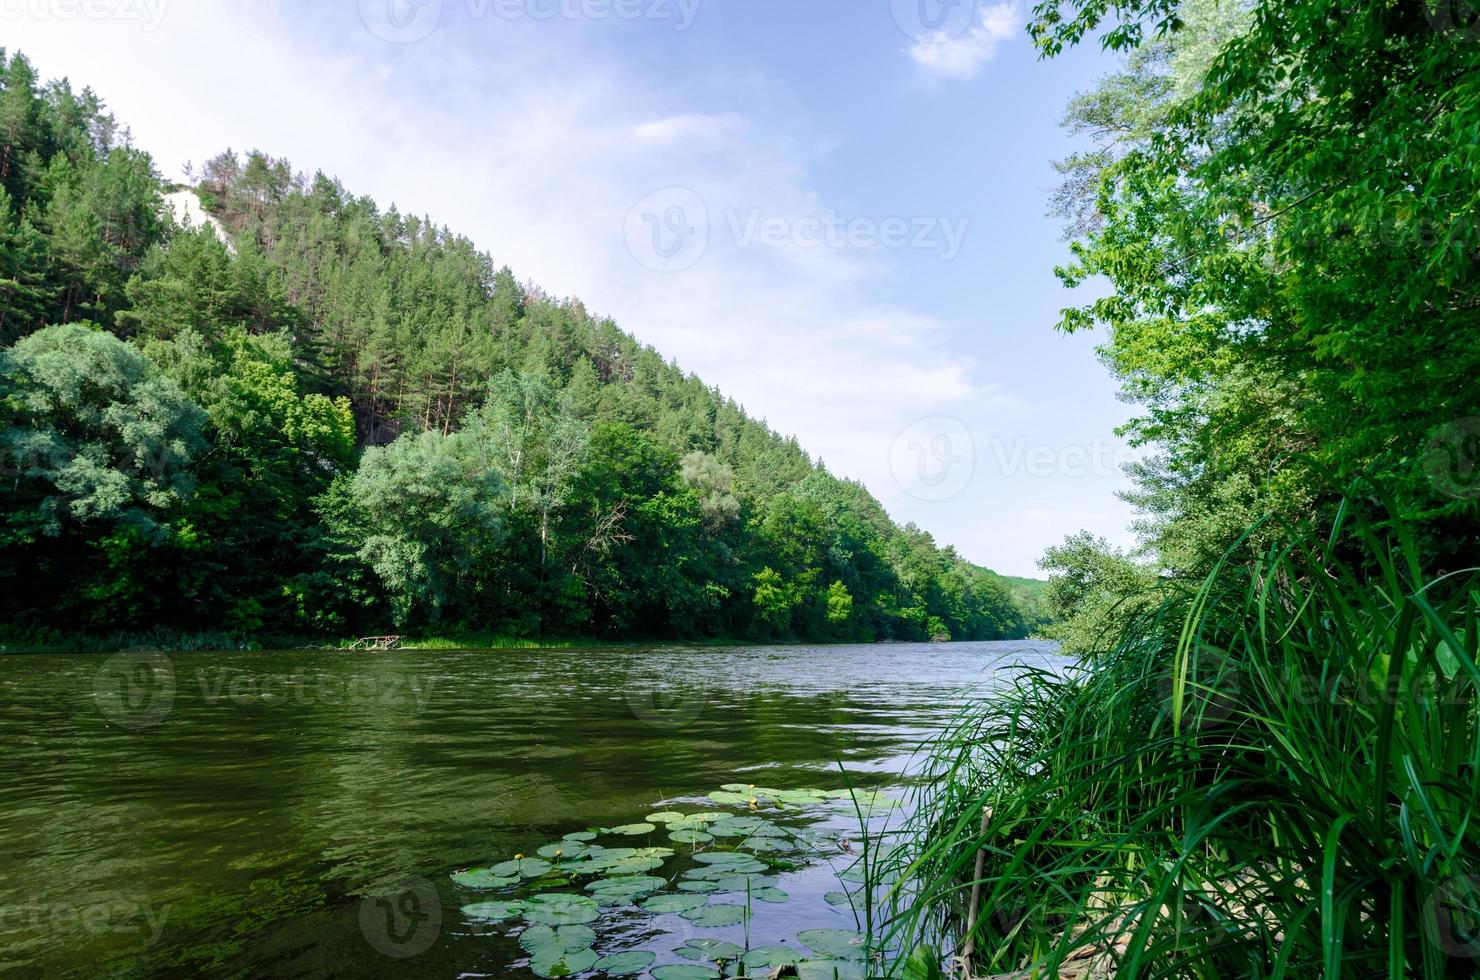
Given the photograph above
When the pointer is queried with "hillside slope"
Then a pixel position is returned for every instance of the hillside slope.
(352, 420)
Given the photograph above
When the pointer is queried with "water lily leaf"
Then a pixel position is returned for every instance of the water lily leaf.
(729, 798)
(769, 894)
(690, 836)
(632, 829)
(566, 939)
(684, 971)
(565, 850)
(746, 822)
(765, 844)
(521, 868)
(581, 835)
(558, 963)
(667, 816)
(493, 911)
(664, 904)
(800, 797)
(560, 909)
(836, 943)
(697, 886)
(737, 787)
(632, 961)
(716, 915)
(709, 816)
(653, 852)
(739, 883)
(709, 950)
(838, 898)
(771, 957)
(726, 828)
(483, 878)
(830, 970)
(634, 865)
(723, 857)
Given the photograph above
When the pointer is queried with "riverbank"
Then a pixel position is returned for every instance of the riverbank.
(178, 641)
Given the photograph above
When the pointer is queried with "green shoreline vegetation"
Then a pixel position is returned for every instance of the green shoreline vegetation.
(1267, 763)
(310, 416)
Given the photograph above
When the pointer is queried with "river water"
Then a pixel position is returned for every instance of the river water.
(300, 813)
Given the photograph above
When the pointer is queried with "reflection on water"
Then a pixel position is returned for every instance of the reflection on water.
(226, 814)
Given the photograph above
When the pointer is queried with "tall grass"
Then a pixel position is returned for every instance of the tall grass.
(1274, 774)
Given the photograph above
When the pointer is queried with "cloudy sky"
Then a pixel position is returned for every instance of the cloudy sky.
(832, 209)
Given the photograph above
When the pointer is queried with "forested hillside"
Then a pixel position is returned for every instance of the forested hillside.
(345, 420)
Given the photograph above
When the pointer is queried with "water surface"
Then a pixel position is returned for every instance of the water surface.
(275, 813)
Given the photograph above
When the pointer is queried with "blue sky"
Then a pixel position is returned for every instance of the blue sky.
(829, 209)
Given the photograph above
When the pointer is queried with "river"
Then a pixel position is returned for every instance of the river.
(301, 813)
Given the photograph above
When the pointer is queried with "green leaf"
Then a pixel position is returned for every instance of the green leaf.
(556, 963)
(483, 878)
(663, 904)
(560, 909)
(709, 950)
(632, 961)
(684, 971)
(631, 829)
(716, 916)
(493, 911)
(837, 943)
(566, 939)
(770, 957)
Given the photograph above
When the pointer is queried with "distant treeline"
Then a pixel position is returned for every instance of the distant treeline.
(336, 419)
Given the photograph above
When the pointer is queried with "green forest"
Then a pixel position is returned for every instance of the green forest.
(333, 419)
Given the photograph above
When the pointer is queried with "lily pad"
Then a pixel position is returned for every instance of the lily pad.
(830, 970)
(667, 816)
(622, 964)
(522, 868)
(716, 916)
(565, 850)
(723, 857)
(729, 798)
(834, 943)
(838, 898)
(739, 883)
(560, 909)
(690, 837)
(566, 939)
(769, 894)
(684, 971)
(765, 844)
(581, 835)
(698, 885)
(483, 878)
(493, 911)
(632, 829)
(665, 904)
(634, 865)
(771, 957)
(709, 950)
(558, 963)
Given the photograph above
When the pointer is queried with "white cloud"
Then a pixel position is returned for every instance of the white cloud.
(962, 55)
